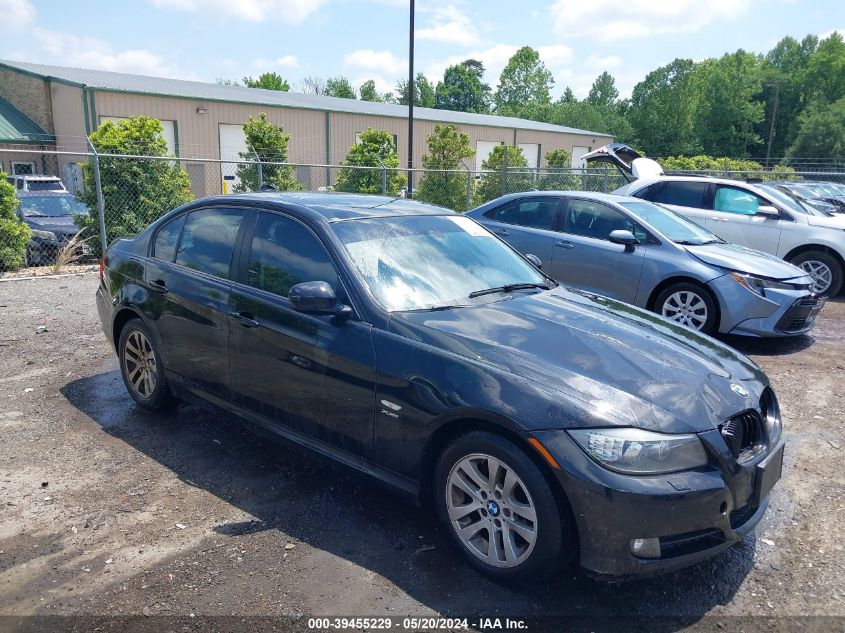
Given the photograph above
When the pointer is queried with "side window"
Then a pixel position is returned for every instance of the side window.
(536, 213)
(648, 193)
(208, 241)
(682, 194)
(285, 253)
(593, 219)
(736, 200)
(166, 238)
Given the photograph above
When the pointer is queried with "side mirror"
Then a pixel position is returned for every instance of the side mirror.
(768, 210)
(535, 261)
(316, 297)
(626, 238)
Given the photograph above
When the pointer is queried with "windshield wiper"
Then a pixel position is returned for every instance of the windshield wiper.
(448, 306)
(34, 215)
(507, 288)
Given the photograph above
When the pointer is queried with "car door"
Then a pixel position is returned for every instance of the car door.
(528, 224)
(584, 257)
(734, 218)
(687, 197)
(189, 278)
(312, 373)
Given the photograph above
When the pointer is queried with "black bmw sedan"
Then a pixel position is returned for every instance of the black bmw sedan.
(541, 424)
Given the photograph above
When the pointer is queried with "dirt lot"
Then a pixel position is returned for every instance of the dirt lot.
(105, 509)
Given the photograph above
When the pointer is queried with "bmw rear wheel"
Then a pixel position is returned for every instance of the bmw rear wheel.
(141, 367)
(499, 509)
(689, 305)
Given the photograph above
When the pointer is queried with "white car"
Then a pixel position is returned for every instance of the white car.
(755, 215)
(26, 184)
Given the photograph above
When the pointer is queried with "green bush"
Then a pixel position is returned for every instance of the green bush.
(137, 192)
(271, 144)
(443, 186)
(497, 181)
(558, 175)
(375, 149)
(14, 234)
(729, 167)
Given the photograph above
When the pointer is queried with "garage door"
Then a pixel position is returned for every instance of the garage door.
(232, 144)
(531, 151)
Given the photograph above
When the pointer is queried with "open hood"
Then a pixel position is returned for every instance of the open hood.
(628, 161)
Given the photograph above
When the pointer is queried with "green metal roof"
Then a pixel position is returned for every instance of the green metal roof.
(16, 127)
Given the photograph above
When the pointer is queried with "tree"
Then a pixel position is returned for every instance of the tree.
(603, 93)
(270, 143)
(14, 234)
(222, 81)
(268, 81)
(826, 69)
(497, 180)
(369, 92)
(374, 149)
(821, 133)
(340, 87)
(447, 147)
(462, 88)
(568, 96)
(559, 175)
(136, 191)
(312, 86)
(423, 92)
(524, 80)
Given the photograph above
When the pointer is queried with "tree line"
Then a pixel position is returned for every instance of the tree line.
(788, 102)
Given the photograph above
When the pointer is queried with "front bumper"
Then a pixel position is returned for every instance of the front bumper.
(779, 313)
(694, 514)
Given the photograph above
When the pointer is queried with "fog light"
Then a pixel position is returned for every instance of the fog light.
(645, 547)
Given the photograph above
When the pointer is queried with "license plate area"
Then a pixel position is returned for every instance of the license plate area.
(767, 474)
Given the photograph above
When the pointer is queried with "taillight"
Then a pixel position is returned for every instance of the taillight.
(102, 267)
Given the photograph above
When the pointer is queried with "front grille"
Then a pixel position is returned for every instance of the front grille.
(741, 515)
(690, 542)
(743, 432)
(800, 315)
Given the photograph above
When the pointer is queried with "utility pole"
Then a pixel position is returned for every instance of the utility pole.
(776, 85)
(411, 91)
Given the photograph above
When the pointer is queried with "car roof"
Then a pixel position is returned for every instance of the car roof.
(584, 195)
(334, 207)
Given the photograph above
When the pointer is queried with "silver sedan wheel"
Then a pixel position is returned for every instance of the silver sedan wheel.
(687, 308)
(820, 272)
(491, 510)
(139, 364)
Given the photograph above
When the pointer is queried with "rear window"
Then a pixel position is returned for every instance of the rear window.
(682, 194)
(45, 185)
(208, 241)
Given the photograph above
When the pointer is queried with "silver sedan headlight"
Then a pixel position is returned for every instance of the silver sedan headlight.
(759, 285)
(638, 452)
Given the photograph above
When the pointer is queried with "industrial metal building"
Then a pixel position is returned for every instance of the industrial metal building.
(54, 107)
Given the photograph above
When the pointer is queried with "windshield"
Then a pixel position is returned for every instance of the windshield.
(51, 206)
(670, 224)
(423, 262)
(44, 185)
(789, 202)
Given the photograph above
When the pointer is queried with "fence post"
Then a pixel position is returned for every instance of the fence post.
(384, 177)
(260, 169)
(101, 203)
(606, 179)
(505, 172)
(469, 189)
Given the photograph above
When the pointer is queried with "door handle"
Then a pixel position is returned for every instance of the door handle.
(245, 318)
(718, 219)
(158, 285)
(501, 232)
(564, 244)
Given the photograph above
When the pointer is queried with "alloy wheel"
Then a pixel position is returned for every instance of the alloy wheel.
(139, 364)
(491, 510)
(820, 272)
(686, 308)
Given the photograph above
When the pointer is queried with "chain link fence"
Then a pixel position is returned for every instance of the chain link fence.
(94, 199)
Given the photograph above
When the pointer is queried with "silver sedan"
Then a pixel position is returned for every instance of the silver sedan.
(644, 254)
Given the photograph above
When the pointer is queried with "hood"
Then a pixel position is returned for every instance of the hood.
(622, 365)
(832, 221)
(745, 260)
(57, 224)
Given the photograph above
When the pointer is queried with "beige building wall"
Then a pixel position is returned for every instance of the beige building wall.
(28, 94)
(69, 121)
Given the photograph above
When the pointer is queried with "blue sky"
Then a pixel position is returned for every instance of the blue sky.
(367, 39)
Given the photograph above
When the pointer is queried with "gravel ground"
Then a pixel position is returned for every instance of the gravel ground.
(105, 509)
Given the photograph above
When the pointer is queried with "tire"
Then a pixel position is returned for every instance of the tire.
(141, 367)
(465, 502)
(690, 305)
(817, 263)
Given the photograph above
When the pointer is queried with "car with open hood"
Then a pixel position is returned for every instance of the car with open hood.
(540, 424)
(758, 215)
(639, 252)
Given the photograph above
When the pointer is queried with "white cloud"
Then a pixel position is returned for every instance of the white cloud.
(640, 18)
(383, 61)
(382, 84)
(16, 14)
(285, 61)
(90, 52)
(449, 24)
(603, 63)
(823, 36)
(290, 11)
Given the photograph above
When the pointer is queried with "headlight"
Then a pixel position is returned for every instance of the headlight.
(760, 284)
(638, 452)
(770, 410)
(45, 235)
